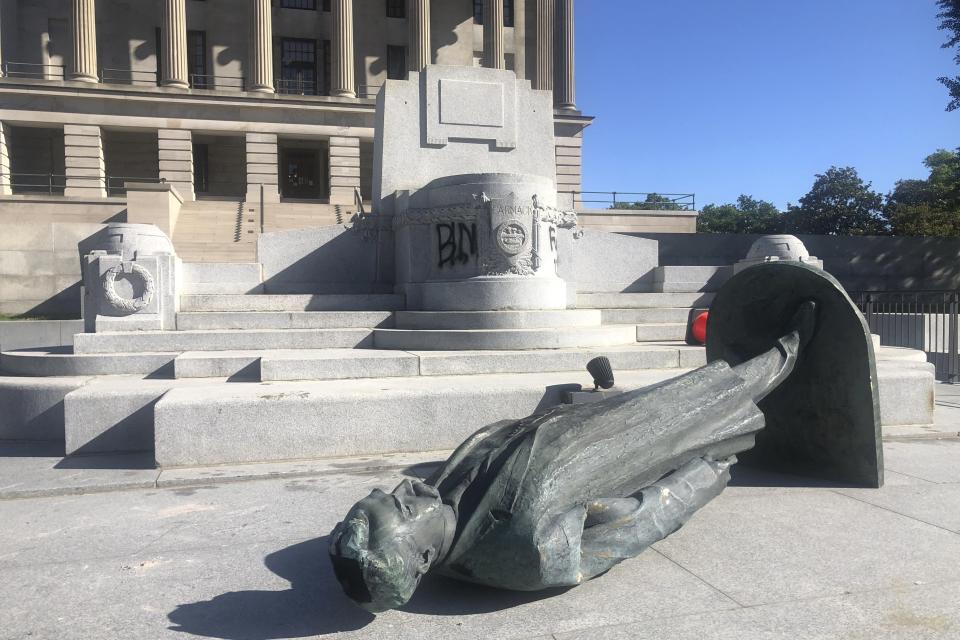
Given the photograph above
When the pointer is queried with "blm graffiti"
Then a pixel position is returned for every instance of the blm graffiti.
(456, 243)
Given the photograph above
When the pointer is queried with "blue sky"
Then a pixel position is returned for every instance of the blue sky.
(757, 96)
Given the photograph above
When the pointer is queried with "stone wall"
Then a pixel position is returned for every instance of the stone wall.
(40, 268)
(860, 263)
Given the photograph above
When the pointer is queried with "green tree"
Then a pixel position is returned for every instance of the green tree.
(748, 215)
(950, 21)
(652, 201)
(839, 203)
(928, 207)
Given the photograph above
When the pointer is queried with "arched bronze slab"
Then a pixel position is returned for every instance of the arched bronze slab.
(824, 420)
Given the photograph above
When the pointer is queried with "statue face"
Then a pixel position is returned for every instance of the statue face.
(386, 543)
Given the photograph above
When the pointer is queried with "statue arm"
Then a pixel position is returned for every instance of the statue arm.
(620, 528)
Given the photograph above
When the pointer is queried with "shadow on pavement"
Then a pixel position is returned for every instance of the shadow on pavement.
(313, 605)
(440, 596)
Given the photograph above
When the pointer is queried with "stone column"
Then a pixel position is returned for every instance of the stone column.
(262, 167)
(344, 169)
(175, 148)
(545, 39)
(83, 161)
(493, 50)
(343, 84)
(84, 21)
(421, 54)
(260, 76)
(566, 90)
(5, 189)
(175, 44)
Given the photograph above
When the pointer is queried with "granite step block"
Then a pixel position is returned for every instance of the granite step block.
(222, 340)
(207, 320)
(642, 300)
(332, 302)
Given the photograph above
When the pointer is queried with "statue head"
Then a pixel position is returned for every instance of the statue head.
(388, 541)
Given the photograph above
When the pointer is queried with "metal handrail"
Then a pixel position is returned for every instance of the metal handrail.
(358, 201)
(288, 86)
(50, 183)
(11, 69)
(129, 76)
(923, 319)
(613, 200)
(368, 91)
(212, 81)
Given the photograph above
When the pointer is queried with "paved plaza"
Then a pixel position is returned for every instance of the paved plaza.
(240, 553)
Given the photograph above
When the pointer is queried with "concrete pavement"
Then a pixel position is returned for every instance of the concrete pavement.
(240, 553)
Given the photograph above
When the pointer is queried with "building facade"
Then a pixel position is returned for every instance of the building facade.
(240, 100)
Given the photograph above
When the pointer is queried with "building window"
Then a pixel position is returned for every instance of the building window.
(326, 6)
(396, 62)
(507, 12)
(197, 59)
(298, 67)
(310, 5)
(396, 8)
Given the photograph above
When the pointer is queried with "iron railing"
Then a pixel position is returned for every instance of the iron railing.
(129, 76)
(368, 91)
(633, 200)
(296, 87)
(33, 70)
(48, 183)
(924, 320)
(215, 82)
(54, 184)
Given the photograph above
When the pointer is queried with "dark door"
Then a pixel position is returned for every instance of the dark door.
(301, 173)
(201, 168)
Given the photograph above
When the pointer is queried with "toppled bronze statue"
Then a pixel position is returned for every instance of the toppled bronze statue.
(564, 495)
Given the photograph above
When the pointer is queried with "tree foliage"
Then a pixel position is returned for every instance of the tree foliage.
(748, 215)
(928, 207)
(839, 203)
(653, 201)
(950, 21)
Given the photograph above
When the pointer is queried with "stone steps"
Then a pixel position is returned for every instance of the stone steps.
(643, 300)
(503, 339)
(332, 302)
(471, 320)
(337, 364)
(211, 320)
(221, 278)
(63, 362)
(220, 340)
(661, 332)
(654, 315)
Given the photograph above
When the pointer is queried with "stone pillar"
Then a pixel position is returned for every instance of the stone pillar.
(5, 189)
(343, 84)
(175, 147)
(260, 76)
(566, 90)
(421, 54)
(569, 170)
(344, 169)
(175, 44)
(84, 21)
(493, 50)
(545, 39)
(262, 167)
(83, 161)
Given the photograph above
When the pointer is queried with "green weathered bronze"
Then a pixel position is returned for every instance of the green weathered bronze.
(562, 496)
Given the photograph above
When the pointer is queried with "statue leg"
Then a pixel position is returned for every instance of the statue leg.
(620, 528)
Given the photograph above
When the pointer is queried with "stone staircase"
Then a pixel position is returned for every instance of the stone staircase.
(249, 377)
(226, 231)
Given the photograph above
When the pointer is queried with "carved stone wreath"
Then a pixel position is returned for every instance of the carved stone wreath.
(129, 305)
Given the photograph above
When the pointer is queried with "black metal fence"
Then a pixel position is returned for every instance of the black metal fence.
(924, 320)
(633, 200)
